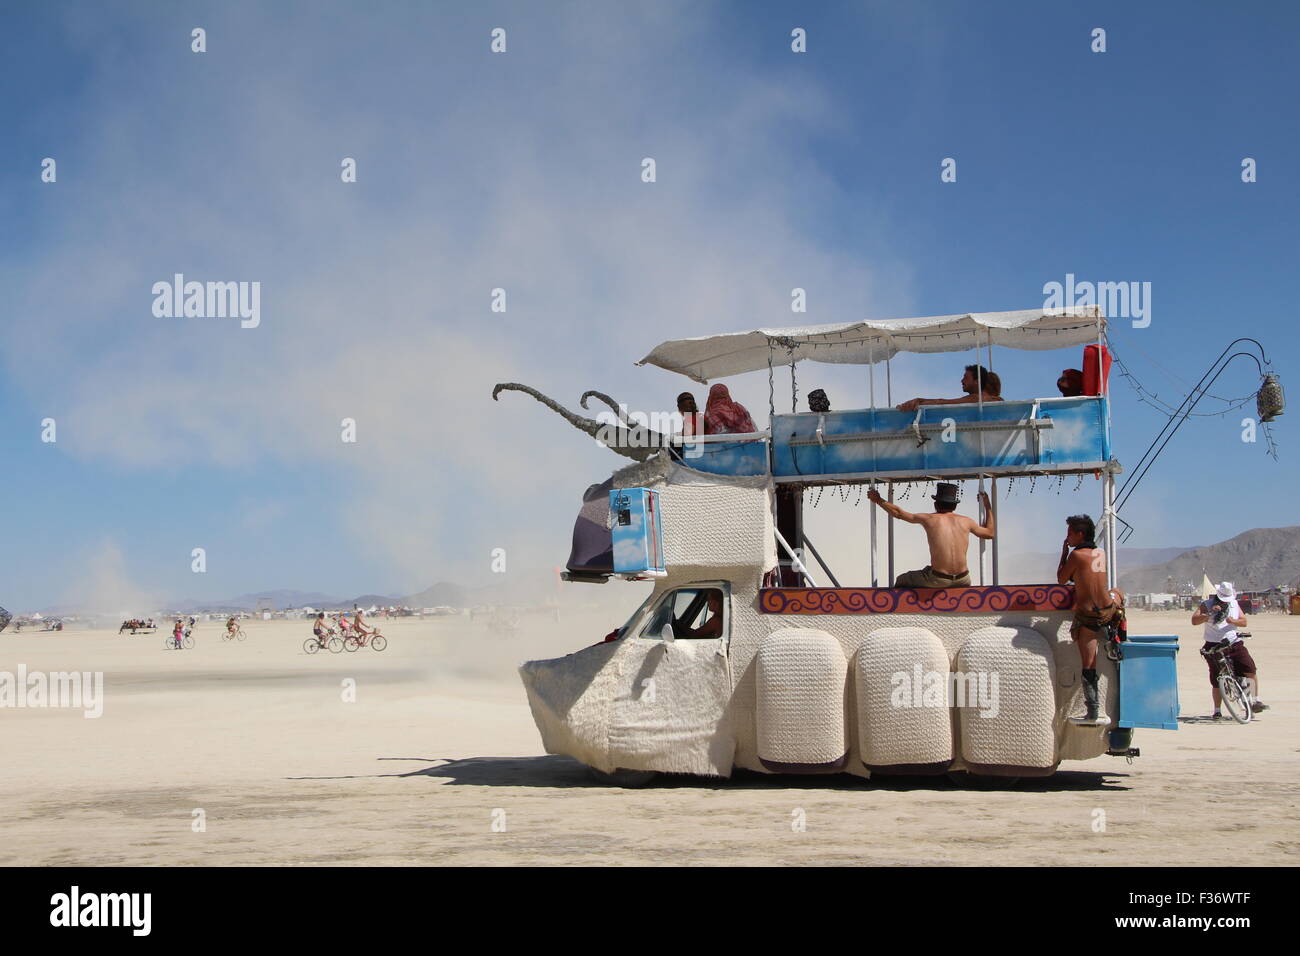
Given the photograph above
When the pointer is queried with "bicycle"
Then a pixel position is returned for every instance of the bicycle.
(236, 635)
(354, 640)
(1231, 689)
(330, 642)
(171, 644)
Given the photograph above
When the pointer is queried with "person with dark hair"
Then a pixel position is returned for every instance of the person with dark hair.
(977, 382)
(1070, 383)
(948, 534)
(818, 402)
(690, 413)
(1096, 606)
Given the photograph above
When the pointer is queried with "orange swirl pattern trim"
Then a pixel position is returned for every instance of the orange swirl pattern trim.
(971, 600)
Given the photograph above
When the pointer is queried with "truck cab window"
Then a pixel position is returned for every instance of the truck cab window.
(690, 613)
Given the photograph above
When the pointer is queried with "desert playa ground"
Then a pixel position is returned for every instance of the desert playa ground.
(437, 761)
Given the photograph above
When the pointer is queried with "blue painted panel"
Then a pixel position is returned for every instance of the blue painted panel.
(1148, 682)
(1078, 435)
(637, 531)
(726, 458)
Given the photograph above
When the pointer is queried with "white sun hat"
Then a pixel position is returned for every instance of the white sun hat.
(1225, 591)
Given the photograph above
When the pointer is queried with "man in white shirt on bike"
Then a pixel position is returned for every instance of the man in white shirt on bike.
(1221, 616)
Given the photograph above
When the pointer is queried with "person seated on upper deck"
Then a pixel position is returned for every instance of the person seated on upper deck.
(948, 534)
(690, 413)
(1070, 383)
(977, 382)
(723, 416)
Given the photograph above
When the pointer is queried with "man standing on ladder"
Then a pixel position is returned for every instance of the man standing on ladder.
(948, 534)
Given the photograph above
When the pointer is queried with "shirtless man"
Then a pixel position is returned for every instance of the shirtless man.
(949, 536)
(1095, 605)
(359, 623)
(978, 383)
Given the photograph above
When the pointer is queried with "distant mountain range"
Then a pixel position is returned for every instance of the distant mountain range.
(1253, 561)
(1037, 567)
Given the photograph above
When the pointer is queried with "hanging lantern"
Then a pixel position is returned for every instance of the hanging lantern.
(1270, 401)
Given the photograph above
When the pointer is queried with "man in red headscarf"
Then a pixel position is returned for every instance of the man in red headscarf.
(722, 416)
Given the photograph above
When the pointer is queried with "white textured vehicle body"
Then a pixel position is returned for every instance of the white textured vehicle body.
(971, 683)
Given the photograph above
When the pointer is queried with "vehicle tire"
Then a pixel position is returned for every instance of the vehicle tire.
(627, 779)
(981, 781)
(187, 642)
(1234, 698)
(311, 645)
(379, 642)
(350, 643)
(335, 644)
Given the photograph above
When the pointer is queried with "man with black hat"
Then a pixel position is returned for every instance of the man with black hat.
(948, 534)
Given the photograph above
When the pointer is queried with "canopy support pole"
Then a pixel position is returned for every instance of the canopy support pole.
(1108, 510)
(979, 384)
(889, 522)
(993, 498)
(871, 375)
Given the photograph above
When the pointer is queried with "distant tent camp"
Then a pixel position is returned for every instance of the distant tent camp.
(5, 618)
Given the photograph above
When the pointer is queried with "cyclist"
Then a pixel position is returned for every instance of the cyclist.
(178, 632)
(321, 629)
(1221, 615)
(231, 626)
(359, 623)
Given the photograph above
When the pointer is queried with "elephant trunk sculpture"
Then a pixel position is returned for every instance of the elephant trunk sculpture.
(637, 442)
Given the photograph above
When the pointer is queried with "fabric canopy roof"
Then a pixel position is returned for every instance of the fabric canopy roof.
(860, 343)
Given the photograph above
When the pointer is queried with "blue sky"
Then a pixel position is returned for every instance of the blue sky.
(521, 170)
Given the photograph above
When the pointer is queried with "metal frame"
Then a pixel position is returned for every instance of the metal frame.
(1002, 471)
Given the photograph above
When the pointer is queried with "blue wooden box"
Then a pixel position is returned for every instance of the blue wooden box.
(1148, 682)
(637, 532)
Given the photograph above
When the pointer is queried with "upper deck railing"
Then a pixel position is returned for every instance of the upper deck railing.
(1055, 436)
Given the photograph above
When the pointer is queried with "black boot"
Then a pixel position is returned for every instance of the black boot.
(1091, 699)
(1091, 702)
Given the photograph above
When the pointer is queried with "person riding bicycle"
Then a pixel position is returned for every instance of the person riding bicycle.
(1221, 616)
(322, 630)
(358, 622)
(178, 632)
(231, 627)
